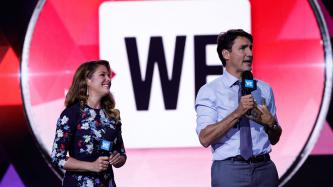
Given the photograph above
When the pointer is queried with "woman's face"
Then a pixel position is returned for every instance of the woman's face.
(100, 82)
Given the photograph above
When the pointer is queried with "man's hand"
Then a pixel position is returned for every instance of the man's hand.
(246, 103)
(262, 115)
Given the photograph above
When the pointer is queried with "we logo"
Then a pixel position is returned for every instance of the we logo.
(249, 83)
(162, 52)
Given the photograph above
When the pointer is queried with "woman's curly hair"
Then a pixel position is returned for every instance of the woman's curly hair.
(78, 90)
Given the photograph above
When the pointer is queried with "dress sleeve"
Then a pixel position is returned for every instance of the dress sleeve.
(63, 137)
(119, 143)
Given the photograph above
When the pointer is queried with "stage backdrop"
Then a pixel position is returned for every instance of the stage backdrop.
(161, 53)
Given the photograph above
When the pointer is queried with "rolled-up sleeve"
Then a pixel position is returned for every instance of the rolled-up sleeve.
(266, 92)
(205, 106)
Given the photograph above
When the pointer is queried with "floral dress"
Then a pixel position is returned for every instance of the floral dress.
(79, 132)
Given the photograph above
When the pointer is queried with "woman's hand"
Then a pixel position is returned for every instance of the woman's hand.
(116, 159)
(100, 164)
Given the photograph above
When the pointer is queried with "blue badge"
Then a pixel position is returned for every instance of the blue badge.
(249, 83)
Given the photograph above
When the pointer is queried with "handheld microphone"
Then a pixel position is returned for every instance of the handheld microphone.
(105, 148)
(105, 144)
(248, 84)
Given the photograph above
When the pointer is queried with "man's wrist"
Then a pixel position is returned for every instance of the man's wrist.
(274, 125)
(236, 115)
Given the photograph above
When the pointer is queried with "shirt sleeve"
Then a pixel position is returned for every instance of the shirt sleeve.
(205, 106)
(271, 103)
(63, 138)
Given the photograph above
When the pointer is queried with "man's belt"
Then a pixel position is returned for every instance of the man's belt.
(254, 159)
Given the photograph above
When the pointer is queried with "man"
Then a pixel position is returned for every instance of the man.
(222, 114)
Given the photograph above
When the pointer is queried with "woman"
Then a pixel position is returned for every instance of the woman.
(89, 129)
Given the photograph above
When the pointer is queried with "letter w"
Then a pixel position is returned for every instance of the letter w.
(142, 88)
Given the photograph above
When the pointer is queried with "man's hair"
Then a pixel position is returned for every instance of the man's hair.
(225, 40)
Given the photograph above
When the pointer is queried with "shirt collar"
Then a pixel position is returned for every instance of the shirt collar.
(229, 80)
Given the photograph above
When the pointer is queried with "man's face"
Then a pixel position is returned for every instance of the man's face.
(239, 59)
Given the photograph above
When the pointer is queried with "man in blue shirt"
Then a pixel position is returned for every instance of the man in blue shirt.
(221, 113)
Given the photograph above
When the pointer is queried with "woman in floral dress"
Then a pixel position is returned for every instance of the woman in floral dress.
(89, 130)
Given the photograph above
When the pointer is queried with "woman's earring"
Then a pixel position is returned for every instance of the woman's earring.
(87, 93)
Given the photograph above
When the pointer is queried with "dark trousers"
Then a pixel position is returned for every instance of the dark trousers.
(230, 173)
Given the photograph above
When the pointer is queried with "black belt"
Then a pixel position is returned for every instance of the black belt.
(254, 159)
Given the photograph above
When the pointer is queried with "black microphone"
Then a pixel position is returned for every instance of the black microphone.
(105, 148)
(105, 144)
(248, 84)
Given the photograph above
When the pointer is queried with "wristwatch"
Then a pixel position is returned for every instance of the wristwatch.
(275, 126)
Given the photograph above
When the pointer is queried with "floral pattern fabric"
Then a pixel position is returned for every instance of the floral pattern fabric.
(79, 132)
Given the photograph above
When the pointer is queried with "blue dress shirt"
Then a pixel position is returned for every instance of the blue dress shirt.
(216, 100)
